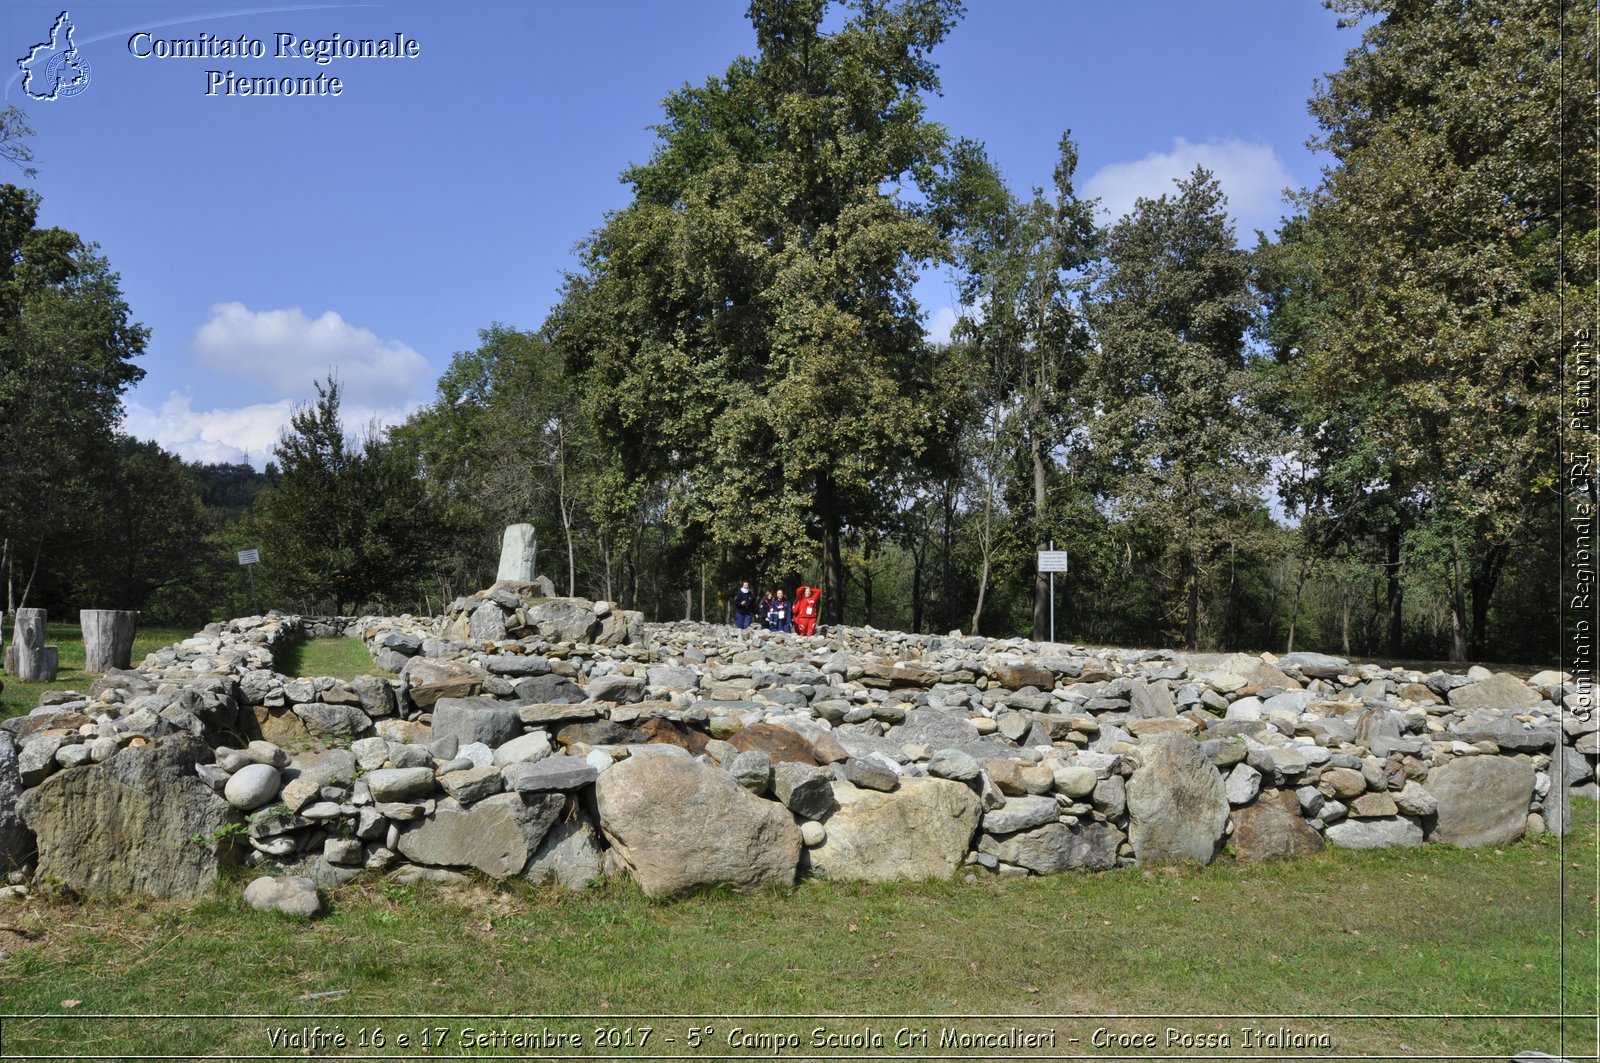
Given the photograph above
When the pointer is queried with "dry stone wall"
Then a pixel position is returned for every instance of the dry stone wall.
(562, 740)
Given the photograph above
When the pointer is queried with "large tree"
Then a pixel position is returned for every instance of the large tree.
(1176, 415)
(67, 346)
(1022, 266)
(1417, 296)
(747, 325)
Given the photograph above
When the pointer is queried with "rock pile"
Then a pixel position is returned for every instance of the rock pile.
(563, 740)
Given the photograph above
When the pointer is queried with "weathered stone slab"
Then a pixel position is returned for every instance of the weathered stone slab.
(1272, 827)
(482, 719)
(1177, 803)
(1482, 800)
(1057, 847)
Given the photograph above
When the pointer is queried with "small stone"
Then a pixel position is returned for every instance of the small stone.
(252, 786)
(1075, 780)
(870, 776)
(1242, 785)
(1373, 806)
(345, 851)
(953, 764)
(812, 834)
(399, 784)
(752, 770)
(290, 894)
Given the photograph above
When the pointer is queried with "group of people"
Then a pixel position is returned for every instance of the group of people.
(775, 612)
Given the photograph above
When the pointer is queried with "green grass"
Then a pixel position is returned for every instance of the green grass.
(1436, 931)
(19, 697)
(341, 658)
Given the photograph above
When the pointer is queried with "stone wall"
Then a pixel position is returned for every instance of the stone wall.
(562, 740)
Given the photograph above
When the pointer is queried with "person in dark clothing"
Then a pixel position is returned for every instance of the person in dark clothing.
(779, 616)
(744, 605)
(764, 610)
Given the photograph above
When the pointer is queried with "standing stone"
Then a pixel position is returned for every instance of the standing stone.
(107, 638)
(519, 553)
(141, 822)
(920, 831)
(1273, 827)
(16, 843)
(680, 826)
(28, 642)
(1177, 802)
(1482, 800)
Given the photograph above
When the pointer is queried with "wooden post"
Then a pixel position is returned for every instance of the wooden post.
(107, 638)
(28, 641)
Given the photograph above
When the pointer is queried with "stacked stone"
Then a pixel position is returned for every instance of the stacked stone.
(533, 742)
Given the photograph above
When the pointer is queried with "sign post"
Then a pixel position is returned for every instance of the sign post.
(250, 559)
(1052, 561)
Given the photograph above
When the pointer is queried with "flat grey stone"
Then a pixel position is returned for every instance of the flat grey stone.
(550, 774)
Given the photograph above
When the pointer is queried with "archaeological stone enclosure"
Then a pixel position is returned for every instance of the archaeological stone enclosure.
(564, 741)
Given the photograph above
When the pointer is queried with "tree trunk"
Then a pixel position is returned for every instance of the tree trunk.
(107, 638)
(1395, 594)
(1485, 577)
(28, 641)
(1191, 579)
(1458, 610)
(1041, 581)
(1294, 608)
(869, 551)
(832, 561)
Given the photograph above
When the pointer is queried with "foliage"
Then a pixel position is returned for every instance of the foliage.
(67, 347)
(1176, 418)
(767, 257)
(341, 524)
(1416, 303)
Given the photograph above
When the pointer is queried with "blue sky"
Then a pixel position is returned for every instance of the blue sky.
(267, 240)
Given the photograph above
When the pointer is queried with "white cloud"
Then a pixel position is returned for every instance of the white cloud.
(1251, 175)
(282, 352)
(939, 325)
(238, 434)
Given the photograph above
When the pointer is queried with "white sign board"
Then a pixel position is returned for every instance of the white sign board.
(1052, 560)
(249, 557)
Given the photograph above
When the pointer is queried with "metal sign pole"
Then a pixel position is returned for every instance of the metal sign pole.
(1052, 599)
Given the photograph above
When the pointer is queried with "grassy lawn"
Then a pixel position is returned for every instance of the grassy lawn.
(341, 658)
(1481, 935)
(19, 697)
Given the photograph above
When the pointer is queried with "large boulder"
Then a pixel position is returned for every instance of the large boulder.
(1177, 802)
(679, 826)
(140, 822)
(1273, 826)
(1482, 800)
(919, 831)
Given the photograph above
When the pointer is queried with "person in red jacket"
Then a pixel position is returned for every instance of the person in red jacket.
(806, 607)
